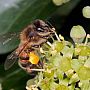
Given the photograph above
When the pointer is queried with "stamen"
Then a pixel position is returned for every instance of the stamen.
(52, 38)
(49, 43)
(57, 36)
(87, 37)
(37, 70)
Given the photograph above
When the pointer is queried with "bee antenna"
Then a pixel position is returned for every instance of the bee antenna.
(50, 25)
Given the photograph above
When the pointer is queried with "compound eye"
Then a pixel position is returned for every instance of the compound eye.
(40, 29)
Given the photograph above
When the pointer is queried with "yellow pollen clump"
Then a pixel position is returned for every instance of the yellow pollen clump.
(33, 58)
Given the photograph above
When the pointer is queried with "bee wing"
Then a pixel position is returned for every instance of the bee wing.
(8, 39)
(11, 59)
(5, 38)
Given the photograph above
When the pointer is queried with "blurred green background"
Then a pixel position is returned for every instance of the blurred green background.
(17, 14)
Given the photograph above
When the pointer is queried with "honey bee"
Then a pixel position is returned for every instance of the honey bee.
(31, 39)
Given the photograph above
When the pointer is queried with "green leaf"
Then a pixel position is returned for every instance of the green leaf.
(0, 86)
(12, 79)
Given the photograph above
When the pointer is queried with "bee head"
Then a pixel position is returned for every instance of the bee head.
(37, 30)
(43, 27)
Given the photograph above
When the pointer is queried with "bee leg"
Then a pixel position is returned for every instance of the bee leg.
(35, 47)
(40, 64)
